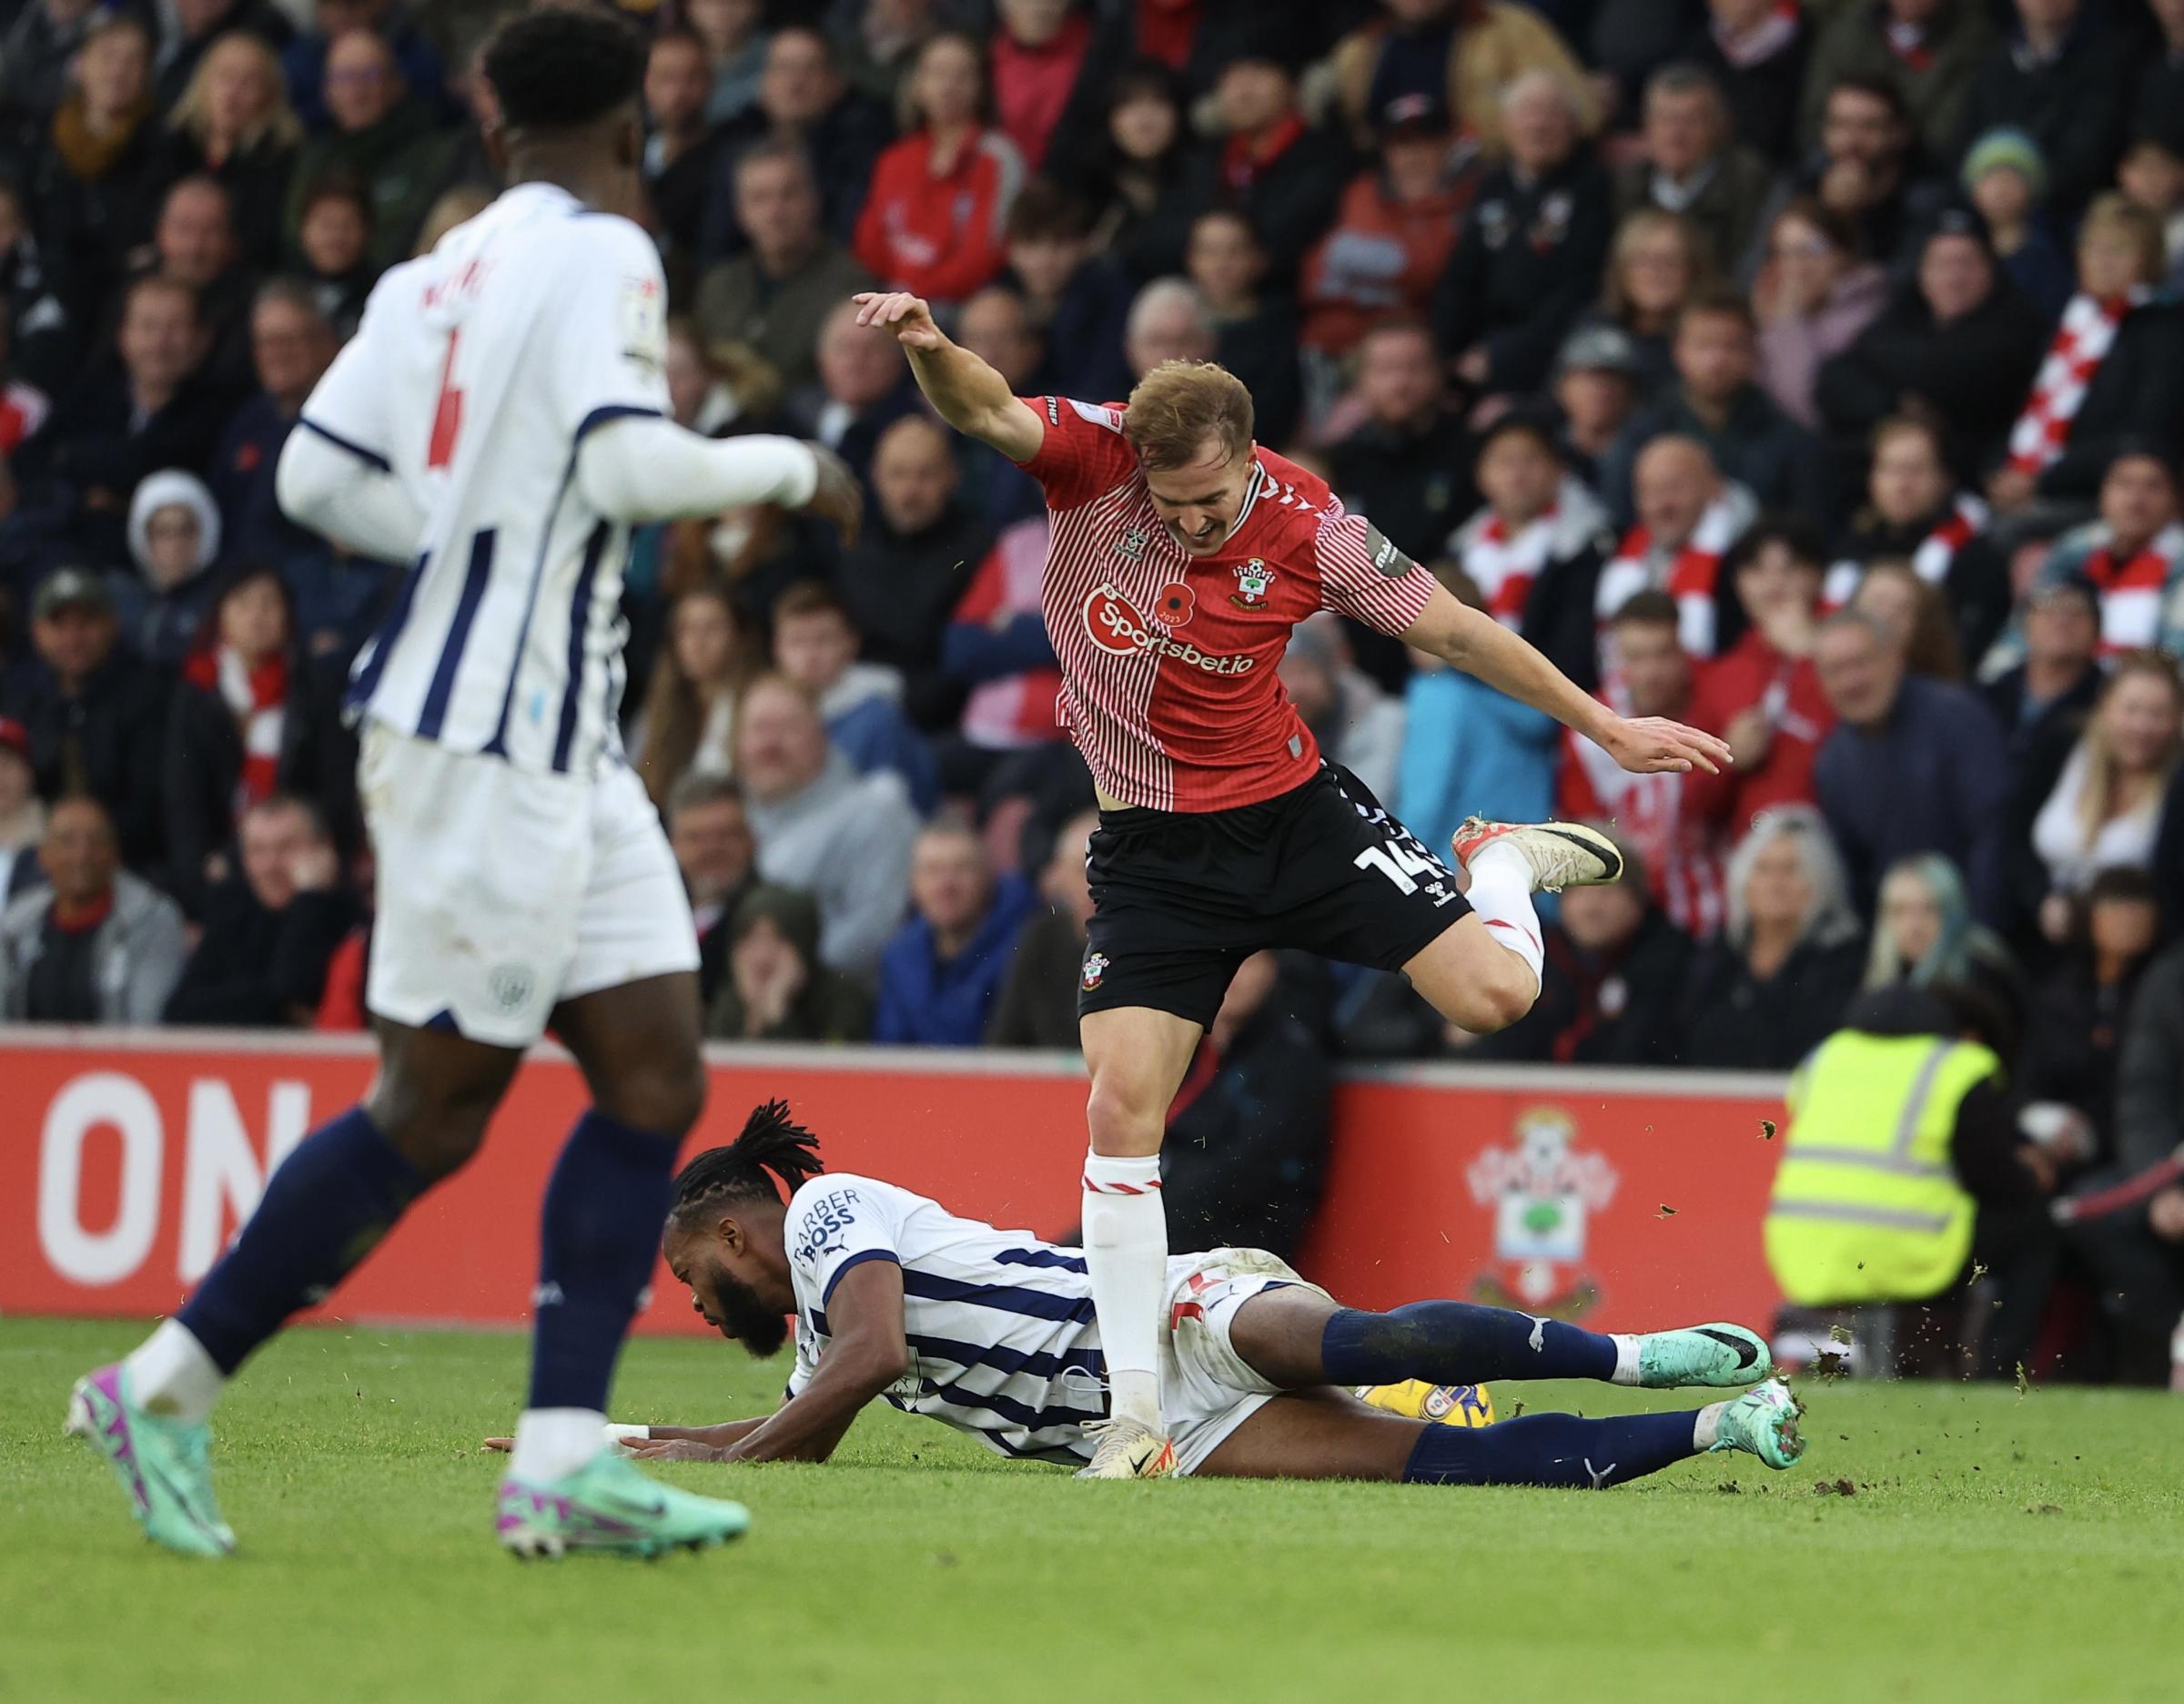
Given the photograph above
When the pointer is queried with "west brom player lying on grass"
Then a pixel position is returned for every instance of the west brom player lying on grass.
(993, 1332)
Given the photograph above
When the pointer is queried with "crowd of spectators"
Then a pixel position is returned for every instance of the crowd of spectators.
(1813, 373)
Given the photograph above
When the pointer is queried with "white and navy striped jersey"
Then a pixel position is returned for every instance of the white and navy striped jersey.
(1003, 1341)
(476, 373)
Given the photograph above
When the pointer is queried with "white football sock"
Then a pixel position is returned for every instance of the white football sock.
(170, 1374)
(1126, 1249)
(1626, 1358)
(1706, 1426)
(550, 1442)
(1500, 893)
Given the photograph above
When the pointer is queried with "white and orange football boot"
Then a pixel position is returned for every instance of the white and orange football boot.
(1128, 1449)
(1561, 854)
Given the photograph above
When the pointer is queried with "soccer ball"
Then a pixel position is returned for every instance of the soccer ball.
(1448, 1404)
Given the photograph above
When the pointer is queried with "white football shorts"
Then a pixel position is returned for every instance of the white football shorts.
(504, 892)
(1207, 1390)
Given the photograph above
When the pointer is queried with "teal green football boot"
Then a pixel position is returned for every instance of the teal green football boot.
(164, 1464)
(607, 1505)
(1762, 1422)
(1719, 1355)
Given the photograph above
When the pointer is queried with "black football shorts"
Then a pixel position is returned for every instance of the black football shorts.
(1181, 898)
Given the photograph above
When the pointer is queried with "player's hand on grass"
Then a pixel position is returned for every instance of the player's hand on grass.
(837, 497)
(900, 312)
(674, 1449)
(504, 1445)
(1654, 744)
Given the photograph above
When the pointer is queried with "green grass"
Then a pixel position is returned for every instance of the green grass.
(1995, 1546)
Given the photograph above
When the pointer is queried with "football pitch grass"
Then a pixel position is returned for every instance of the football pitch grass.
(1972, 1543)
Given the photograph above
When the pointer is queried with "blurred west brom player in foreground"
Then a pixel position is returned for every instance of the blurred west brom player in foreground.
(499, 422)
(993, 1332)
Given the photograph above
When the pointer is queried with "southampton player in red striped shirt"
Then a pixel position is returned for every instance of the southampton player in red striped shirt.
(1182, 556)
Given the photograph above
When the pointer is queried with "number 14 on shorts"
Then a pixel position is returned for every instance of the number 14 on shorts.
(1409, 867)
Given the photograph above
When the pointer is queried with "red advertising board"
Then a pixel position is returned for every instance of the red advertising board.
(126, 1161)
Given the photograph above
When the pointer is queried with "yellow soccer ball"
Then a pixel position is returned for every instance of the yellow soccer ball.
(1448, 1405)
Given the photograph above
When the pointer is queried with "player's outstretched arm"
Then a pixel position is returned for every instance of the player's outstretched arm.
(970, 395)
(1476, 643)
(865, 1353)
(642, 468)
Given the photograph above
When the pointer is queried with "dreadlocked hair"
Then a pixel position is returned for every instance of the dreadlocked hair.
(564, 66)
(771, 1146)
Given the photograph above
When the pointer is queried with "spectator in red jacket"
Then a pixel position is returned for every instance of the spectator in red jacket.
(1040, 54)
(1764, 695)
(933, 221)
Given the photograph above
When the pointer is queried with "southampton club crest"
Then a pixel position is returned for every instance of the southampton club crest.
(1252, 579)
(1095, 967)
(1542, 1191)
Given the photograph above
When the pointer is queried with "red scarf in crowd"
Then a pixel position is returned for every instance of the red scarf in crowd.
(257, 699)
(1241, 163)
(1932, 560)
(1687, 574)
(2081, 343)
(2130, 589)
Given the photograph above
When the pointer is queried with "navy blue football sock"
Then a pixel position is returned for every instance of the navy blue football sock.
(325, 1208)
(598, 1234)
(1552, 1449)
(1456, 1342)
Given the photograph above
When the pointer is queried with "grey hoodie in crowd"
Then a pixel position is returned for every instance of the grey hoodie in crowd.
(136, 961)
(846, 840)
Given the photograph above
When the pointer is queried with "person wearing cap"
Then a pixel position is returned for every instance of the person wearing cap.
(96, 944)
(1393, 232)
(2058, 675)
(1957, 339)
(1595, 385)
(95, 714)
(1282, 175)
(2006, 179)
(174, 540)
(2114, 372)
(2063, 75)
(1530, 257)
(22, 812)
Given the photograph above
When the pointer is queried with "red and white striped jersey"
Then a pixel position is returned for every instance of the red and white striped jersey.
(1169, 660)
(1655, 814)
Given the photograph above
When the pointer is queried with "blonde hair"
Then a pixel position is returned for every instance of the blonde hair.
(2099, 799)
(455, 207)
(1177, 404)
(193, 113)
(2115, 211)
(1698, 262)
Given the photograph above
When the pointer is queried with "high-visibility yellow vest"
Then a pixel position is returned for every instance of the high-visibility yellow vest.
(1865, 1206)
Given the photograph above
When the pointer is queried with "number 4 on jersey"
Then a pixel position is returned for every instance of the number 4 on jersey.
(446, 413)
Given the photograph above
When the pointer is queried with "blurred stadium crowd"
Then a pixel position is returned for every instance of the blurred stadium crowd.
(1812, 373)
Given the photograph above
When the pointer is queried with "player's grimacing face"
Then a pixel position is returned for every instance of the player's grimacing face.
(729, 1305)
(1199, 504)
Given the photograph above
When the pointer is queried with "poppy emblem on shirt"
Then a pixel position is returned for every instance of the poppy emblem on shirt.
(1095, 967)
(1251, 583)
(1178, 604)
